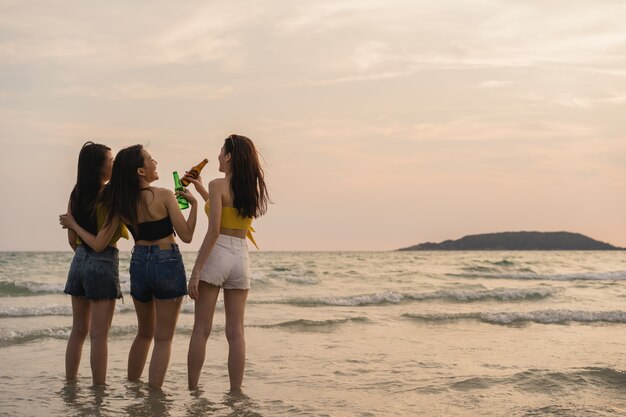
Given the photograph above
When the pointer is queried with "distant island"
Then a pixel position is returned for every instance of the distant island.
(518, 241)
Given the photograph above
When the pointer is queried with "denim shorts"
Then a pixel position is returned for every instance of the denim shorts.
(94, 275)
(157, 274)
(228, 264)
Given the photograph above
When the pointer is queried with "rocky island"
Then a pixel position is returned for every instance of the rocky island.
(518, 241)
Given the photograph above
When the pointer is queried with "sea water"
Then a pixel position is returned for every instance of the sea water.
(348, 334)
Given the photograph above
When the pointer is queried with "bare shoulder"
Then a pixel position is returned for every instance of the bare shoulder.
(219, 184)
(161, 191)
(161, 194)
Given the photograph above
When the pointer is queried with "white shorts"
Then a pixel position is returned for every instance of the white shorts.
(228, 265)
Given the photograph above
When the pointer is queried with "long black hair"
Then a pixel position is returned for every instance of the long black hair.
(88, 182)
(250, 195)
(121, 195)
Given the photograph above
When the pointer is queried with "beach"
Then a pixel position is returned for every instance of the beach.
(348, 334)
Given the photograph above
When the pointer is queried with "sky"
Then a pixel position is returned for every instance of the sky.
(381, 124)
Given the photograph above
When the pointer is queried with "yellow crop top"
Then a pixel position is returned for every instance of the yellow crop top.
(231, 220)
(101, 215)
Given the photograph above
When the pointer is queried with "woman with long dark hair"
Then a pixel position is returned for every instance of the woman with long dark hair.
(157, 273)
(223, 261)
(93, 278)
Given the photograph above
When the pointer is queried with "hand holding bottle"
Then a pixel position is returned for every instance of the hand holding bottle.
(197, 183)
(178, 190)
(193, 173)
(187, 195)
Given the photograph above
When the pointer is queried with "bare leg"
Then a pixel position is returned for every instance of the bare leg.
(166, 318)
(203, 321)
(81, 311)
(141, 345)
(234, 306)
(101, 318)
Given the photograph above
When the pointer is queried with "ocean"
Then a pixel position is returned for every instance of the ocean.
(348, 334)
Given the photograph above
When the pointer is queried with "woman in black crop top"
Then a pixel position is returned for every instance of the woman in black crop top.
(157, 274)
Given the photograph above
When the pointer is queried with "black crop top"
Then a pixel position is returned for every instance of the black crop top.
(154, 230)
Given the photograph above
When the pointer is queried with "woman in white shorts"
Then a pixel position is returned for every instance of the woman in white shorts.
(232, 203)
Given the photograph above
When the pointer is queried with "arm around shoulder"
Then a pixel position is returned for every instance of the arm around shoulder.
(97, 242)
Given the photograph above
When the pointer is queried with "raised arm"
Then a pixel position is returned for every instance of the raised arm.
(197, 182)
(97, 242)
(184, 228)
(213, 232)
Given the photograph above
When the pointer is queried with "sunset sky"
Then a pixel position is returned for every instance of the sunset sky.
(382, 123)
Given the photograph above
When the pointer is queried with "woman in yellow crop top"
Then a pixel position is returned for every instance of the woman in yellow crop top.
(223, 262)
(93, 278)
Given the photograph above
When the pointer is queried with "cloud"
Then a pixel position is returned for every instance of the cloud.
(615, 99)
(492, 84)
(211, 33)
(617, 72)
(146, 91)
(369, 54)
(111, 36)
(574, 101)
(322, 16)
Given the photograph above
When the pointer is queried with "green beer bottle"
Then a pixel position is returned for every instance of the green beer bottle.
(182, 202)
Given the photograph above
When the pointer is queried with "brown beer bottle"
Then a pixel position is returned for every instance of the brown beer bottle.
(193, 172)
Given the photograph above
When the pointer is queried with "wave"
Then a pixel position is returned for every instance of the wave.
(539, 381)
(15, 337)
(479, 269)
(583, 276)
(52, 310)
(10, 337)
(303, 280)
(312, 325)
(390, 297)
(24, 289)
(33, 311)
(520, 318)
(498, 294)
(66, 309)
(258, 277)
(545, 381)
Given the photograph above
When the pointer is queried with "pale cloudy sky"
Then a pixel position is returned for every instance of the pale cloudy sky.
(382, 123)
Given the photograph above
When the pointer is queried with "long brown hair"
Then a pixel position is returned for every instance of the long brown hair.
(250, 195)
(121, 195)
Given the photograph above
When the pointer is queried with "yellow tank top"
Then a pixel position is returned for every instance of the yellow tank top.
(231, 220)
(101, 215)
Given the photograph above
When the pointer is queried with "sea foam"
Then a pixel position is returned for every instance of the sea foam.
(392, 297)
(305, 324)
(540, 316)
(51, 310)
(582, 276)
(21, 289)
